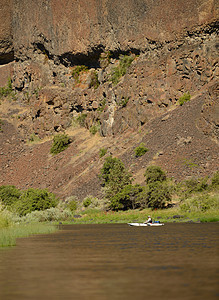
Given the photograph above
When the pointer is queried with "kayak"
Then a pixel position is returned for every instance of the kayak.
(147, 224)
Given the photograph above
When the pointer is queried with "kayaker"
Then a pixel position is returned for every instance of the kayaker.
(149, 220)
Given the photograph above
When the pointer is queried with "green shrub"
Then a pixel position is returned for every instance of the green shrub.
(102, 152)
(186, 97)
(200, 203)
(154, 174)
(35, 199)
(140, 150)
(9, 194)
(119, 71)
(77, 71)
(87, 202)
(72, 205)
(215, 180)
(60, 143)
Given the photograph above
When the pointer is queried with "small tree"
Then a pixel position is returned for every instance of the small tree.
(114, 176)
(158, 191)
(127, 198)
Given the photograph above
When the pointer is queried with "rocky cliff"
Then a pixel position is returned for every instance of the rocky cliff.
(115, 66)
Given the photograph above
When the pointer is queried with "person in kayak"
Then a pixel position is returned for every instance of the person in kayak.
(149, 220)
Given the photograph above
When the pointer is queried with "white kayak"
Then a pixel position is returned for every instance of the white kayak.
(145, 224)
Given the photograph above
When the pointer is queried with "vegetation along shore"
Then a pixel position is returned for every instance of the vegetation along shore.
(32, 211)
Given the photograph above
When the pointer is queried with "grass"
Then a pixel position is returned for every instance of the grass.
(94, 216)
(9, 235)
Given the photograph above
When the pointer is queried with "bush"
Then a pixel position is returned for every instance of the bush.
(140, 150)
(119, 71)
(215, 180)
(154, 174)
(186, 97)
(60, 143)
(72, 205)
(48, 215)
(35, 199)
(87, 202)
(158, 195)
(200, 203)
(9, 194)
(102, 152)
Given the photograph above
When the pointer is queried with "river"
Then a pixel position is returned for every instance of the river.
(114, 261)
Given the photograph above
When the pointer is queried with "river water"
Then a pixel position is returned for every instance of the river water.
(114, 261)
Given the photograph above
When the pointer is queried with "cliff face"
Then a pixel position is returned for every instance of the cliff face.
(118, 65)
(86, 26)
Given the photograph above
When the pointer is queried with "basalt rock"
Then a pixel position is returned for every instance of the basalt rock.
(173, 45)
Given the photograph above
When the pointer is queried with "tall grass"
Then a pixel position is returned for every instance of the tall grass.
(8, 235)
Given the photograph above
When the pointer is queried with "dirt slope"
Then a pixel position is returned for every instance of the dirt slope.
(174, 140)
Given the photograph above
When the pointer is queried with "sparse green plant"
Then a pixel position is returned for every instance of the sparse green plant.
(94, 129)
(140, 150)
(120, 70)
(123, 102)
(102, 152)
(1, 123)
(60, 143)
(77, 71)
(186, 97)
(81, 119)
(34, 138)
(6, 91)
(94, 80)
(102, 105)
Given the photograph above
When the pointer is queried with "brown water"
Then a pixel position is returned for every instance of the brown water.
(175, 261)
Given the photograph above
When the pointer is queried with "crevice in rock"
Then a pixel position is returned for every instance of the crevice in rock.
(6, 58)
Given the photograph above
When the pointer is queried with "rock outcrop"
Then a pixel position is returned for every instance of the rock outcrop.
(112, 66)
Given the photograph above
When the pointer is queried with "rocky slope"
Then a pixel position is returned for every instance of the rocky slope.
(164, 49)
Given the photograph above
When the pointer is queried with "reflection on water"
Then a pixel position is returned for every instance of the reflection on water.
(175, 261)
